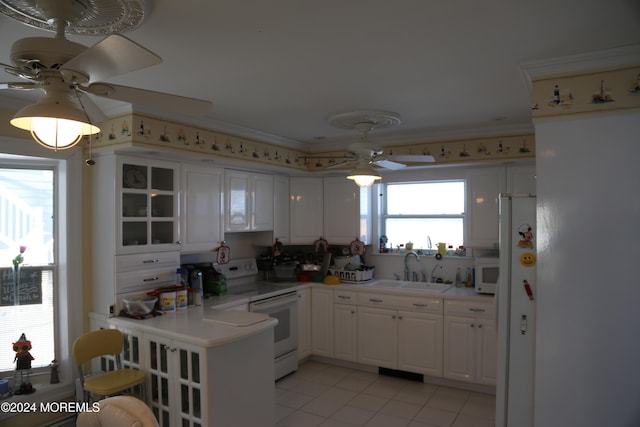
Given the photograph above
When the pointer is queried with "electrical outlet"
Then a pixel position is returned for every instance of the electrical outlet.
(111, 310)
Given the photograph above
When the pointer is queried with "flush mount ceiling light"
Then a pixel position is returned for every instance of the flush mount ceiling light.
(55, 121)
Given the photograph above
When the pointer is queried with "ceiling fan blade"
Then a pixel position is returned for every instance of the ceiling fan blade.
(418, 158)
(339, 164)
(164, 101)
(388, 164)
(112, 56)
(94, 112)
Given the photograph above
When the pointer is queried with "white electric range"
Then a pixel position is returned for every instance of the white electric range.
(278, 300)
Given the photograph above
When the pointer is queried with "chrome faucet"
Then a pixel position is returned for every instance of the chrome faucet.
(433, 278)
(406, 263)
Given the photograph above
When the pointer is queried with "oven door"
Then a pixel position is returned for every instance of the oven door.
(285, 309)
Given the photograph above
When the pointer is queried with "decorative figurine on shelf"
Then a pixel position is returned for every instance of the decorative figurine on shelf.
(277, 248)
(22, 384)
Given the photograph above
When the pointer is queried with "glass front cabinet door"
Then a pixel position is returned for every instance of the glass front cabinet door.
(148, 205)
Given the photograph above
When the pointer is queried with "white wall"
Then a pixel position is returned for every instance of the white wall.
(588, 341)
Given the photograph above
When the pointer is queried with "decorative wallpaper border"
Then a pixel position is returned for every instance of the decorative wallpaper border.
(587, 92)
(141, 131)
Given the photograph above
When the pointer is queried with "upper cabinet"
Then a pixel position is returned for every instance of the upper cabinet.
(484, 186)
(281, 208)
(248, 201)
(305, 209)
(331, 207)
(146, 205)
(346, 211)
(200, 207)
(521, 179)
(483, 198)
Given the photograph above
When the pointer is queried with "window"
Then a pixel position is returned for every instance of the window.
(26, 223)
(424, 213)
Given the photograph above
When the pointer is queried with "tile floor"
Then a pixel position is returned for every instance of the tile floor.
(325, 395)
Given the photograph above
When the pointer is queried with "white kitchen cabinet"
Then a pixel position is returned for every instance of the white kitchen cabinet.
(409, 340)
(135, 203)
(248, 201)
(521, 179)
(146, 204)
(176, 374)
(281, 209)
(331, 207)
(470, 342)
(345, 320)
(420, 337)
(343, 219)
(484, 186)
(322, 322)
(377, 337)
(195, 368)
(200, 210)
(304, 323)
(306, 209)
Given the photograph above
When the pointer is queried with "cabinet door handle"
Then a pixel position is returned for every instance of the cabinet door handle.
(343, 297)
(477, 310)
(151, 279)
(150, 261)
(472, 325)
(393, 317)
(375, 300)
(419, 305)
(400, 317)
(480, 326)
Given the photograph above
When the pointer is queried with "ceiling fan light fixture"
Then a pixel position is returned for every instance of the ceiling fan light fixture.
(364, 176)
(55, 122)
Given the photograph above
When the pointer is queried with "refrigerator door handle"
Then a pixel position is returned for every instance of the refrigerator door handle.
(496, 302)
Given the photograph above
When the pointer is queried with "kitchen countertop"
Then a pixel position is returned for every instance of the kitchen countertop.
(452, 293)
(190, 326)
(463, 293)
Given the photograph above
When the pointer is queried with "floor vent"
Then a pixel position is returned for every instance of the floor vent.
(401, 374)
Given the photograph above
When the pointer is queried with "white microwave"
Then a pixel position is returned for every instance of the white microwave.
(487, 272)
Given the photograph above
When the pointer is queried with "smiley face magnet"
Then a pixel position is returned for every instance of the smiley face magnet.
(528, 259)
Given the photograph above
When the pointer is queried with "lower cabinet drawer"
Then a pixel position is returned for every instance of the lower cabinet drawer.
(469, 309)
(145, 279)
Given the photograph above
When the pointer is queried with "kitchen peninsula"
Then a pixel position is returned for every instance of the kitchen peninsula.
(202, 372)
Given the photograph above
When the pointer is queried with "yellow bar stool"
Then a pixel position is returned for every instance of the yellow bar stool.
(99, 343)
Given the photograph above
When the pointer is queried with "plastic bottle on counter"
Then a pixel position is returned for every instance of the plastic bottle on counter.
(469, 278)
(458, 277)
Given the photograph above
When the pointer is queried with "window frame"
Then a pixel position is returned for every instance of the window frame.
(384, 215)
(69, 310)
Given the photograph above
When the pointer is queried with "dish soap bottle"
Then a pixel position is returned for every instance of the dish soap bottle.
(458, 277)
(469, 277)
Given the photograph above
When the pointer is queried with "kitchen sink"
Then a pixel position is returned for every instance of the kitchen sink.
(414, 286)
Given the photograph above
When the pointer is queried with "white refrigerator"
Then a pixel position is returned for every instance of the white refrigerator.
(516, 316)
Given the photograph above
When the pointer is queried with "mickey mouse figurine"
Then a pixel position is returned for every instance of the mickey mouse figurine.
(23, 365)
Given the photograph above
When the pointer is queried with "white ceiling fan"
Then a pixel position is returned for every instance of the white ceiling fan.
(66, 71)
(364, 152)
